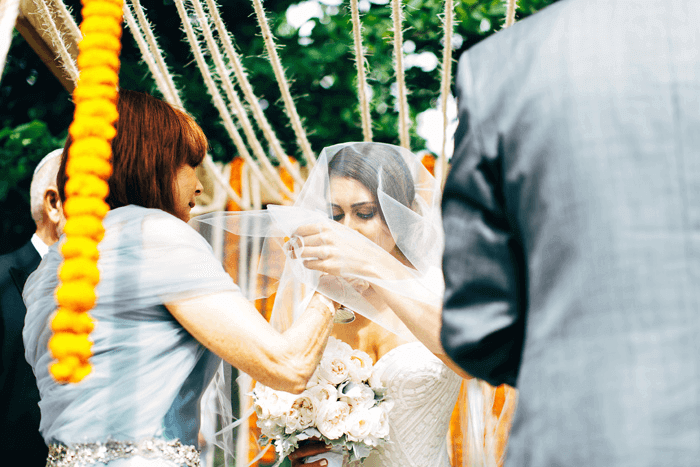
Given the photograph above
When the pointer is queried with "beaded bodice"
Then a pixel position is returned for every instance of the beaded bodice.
(424, 391)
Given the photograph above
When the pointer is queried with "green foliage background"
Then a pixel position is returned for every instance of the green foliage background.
(35, 110)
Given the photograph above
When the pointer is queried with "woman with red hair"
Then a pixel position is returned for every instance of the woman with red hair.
(167, 312)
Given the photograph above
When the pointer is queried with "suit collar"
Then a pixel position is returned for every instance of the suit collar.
(27, 259)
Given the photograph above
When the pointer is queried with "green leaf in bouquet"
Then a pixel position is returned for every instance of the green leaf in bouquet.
(359, 451)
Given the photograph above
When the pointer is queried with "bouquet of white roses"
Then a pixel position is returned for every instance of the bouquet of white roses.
(343, 405)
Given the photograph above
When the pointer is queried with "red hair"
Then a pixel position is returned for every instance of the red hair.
(154, 139)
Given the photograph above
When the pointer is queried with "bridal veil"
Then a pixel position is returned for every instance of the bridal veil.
(408, 199)
(414, 223)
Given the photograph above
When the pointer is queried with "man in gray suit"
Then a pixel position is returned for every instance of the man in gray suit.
(572, 222)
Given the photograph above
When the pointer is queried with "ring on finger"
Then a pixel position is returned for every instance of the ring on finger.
(296, 245)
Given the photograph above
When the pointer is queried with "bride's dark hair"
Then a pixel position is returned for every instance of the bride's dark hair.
(365, 162)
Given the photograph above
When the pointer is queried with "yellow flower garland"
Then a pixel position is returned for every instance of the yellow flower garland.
(88, 168)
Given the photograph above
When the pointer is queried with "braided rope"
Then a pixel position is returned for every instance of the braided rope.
(68, 63)
(153, 57)
(361, 75)
(242, 79)
(146, 54)
(168, 86)
(404, 119)
(234, 100)
(302, 140)
(69, 21)
(445, 85)
(511, 7)
(218, 100)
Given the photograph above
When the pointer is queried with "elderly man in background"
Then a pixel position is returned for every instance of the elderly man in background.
(19, 413)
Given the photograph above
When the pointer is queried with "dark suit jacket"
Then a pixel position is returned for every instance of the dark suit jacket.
(20, 440)
(572, 222)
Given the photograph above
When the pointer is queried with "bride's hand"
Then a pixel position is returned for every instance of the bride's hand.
(337, 251)
(311, 448)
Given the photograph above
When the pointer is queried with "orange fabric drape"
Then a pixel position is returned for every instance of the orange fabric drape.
(456, 435)
(287, 178)
(231, 258)
(235, 182)
(497, 425)
(231, 248)
(429, 163)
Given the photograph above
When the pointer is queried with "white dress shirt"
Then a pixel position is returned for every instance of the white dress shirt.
(41, 247)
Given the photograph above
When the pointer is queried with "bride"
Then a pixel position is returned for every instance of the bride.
(385, 247)
(383, 193)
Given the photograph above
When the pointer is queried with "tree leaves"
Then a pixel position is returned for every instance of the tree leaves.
(21, 149)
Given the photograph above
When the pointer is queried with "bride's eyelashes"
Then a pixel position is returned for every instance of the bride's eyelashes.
(364, 213)
(338, 213)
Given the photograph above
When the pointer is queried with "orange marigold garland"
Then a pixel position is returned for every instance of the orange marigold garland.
(88, 168)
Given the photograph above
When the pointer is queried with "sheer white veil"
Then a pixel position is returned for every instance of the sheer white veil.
(408, 197)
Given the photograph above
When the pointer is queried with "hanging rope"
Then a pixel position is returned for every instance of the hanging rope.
(235, 101)
(242, 79)
(146, 54)
(404, 122)
(511, 7)
(167, 86)
(153, 57)
(448, 23)
(219, 101)
(9, 9)
(68, 20)
(361, 75)
(67, 60)
(274, 58)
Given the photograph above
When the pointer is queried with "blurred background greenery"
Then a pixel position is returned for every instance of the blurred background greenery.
(315, 46)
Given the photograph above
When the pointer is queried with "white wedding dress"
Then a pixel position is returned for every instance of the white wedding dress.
(424, 391)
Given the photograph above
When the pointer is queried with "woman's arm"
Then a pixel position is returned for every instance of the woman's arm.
(228, 325)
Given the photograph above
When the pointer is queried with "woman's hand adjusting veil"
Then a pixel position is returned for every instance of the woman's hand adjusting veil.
(334, 249)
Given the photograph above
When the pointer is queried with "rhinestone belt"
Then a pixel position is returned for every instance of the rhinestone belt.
(85, 454)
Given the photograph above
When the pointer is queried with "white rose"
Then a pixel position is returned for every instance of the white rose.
(302, 413)
(271, 404)
(375, 382)
(323, 392)
(314, 380)
(330, 419)
(360, 425)
(380, 424)
(360, 366)
(357, 396)
(270, 428)
(334, 368)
